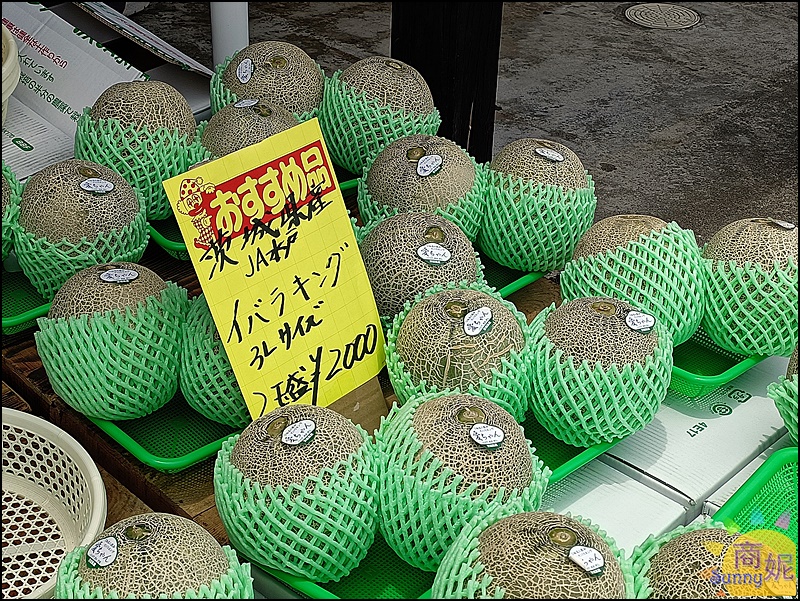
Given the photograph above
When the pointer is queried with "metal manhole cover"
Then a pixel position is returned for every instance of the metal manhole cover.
(662, 16)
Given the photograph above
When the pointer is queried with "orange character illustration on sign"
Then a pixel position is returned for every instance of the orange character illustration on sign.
(191, 204)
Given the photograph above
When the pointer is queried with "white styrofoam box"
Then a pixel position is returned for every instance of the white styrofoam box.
(718, 498)
(693, 446)
(626, 509)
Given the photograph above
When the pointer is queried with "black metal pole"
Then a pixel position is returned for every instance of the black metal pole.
(456, 47)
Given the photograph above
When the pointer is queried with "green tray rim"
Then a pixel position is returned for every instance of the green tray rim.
(26, 316)
(754, 484)
(162, 464)
(710, 383)
(317, 591)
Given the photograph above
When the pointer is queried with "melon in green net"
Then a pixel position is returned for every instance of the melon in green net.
(540, 202)
(444, 459)
(277, 72)
(784, 394)
(297, 492)
(706, 561)
(153, 555)
(11, 192)
(110, 343)
(461, 337)
(750, 268)
(244, 123)
(408, 253)
(532, 555)
(601, 369)
(391, 83)
(424, 173)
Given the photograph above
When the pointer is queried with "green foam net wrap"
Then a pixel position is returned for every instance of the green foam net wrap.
(11, 212)
(659, 273)
(48, 265)
(508, 387)
(145, 159)
(221, 96)
(533, 227)
(357, 128)
(784, 394)
(424, 505)
(319, 530)
(466, 212)
(207, 380)
(643, 553)
(116, 365)
(236, 583)
(583, 404)
(461, 575)
(750, 310)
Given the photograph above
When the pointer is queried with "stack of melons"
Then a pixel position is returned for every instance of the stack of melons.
(540, 202)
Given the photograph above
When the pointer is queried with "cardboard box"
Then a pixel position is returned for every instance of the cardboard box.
(694, 446)
(626, 509)
(69, 54)
(718, 498)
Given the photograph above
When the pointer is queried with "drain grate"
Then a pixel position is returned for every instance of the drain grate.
(662, 16)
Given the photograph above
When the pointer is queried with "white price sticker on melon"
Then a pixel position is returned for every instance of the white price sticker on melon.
(487, 435)
(785, 224)
(102, 553)
(640, 322)
(242, 104)
(298, 432)
(550, 154)
(244, 70)
(478, 321)
(97, 185)
(119, 276)
(429, 164)
(589, 559)
(433, 254)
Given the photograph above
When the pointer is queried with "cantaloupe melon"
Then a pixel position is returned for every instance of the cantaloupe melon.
(391, 83)
(410, 252)
(541, 162)
(763, 241)
(105, 287)
(420, 173)
(152, 555)
(527, 555)
(6, 194)
(791, 369)
(244, 123)
(616, 231)
(277, 72)
(293, 442)
(455, 338)
(73, 199)
(147, 106)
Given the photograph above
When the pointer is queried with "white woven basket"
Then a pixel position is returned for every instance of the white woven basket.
(11, 69)
(53, 501)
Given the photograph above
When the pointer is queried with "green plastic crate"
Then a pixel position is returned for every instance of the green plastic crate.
(22, 304)
(768, 500)
(383, 575)
(171, 438)
(700, 366)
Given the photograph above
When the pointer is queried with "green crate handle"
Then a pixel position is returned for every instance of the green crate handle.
(750, 489)
(29, 315)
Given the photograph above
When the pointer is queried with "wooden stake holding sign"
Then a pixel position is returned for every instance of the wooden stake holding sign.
(272, 244)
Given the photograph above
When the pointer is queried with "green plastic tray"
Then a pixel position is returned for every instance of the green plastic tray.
(22, 304)
(768, 500)
(700, 366)
(171, 438)
(383, 575)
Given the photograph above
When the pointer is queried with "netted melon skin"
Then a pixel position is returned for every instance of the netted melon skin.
(465, 210)
(583, 404)
(356, 128)
(508, 386)
(462, 575)
(659, 272)
(207, 380)
(784, 394)
(425, 501)
(397, 273)
(144, 158)
(232, 128)
(762, 241)
(116, 365)
(750, 310)
(321, 535)
(12, 191)
(236, 583)
(49, 265)
(677, 583)
(222, 95)
(533, 227)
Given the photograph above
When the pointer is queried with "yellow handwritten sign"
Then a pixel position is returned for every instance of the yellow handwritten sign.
(273, 247)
